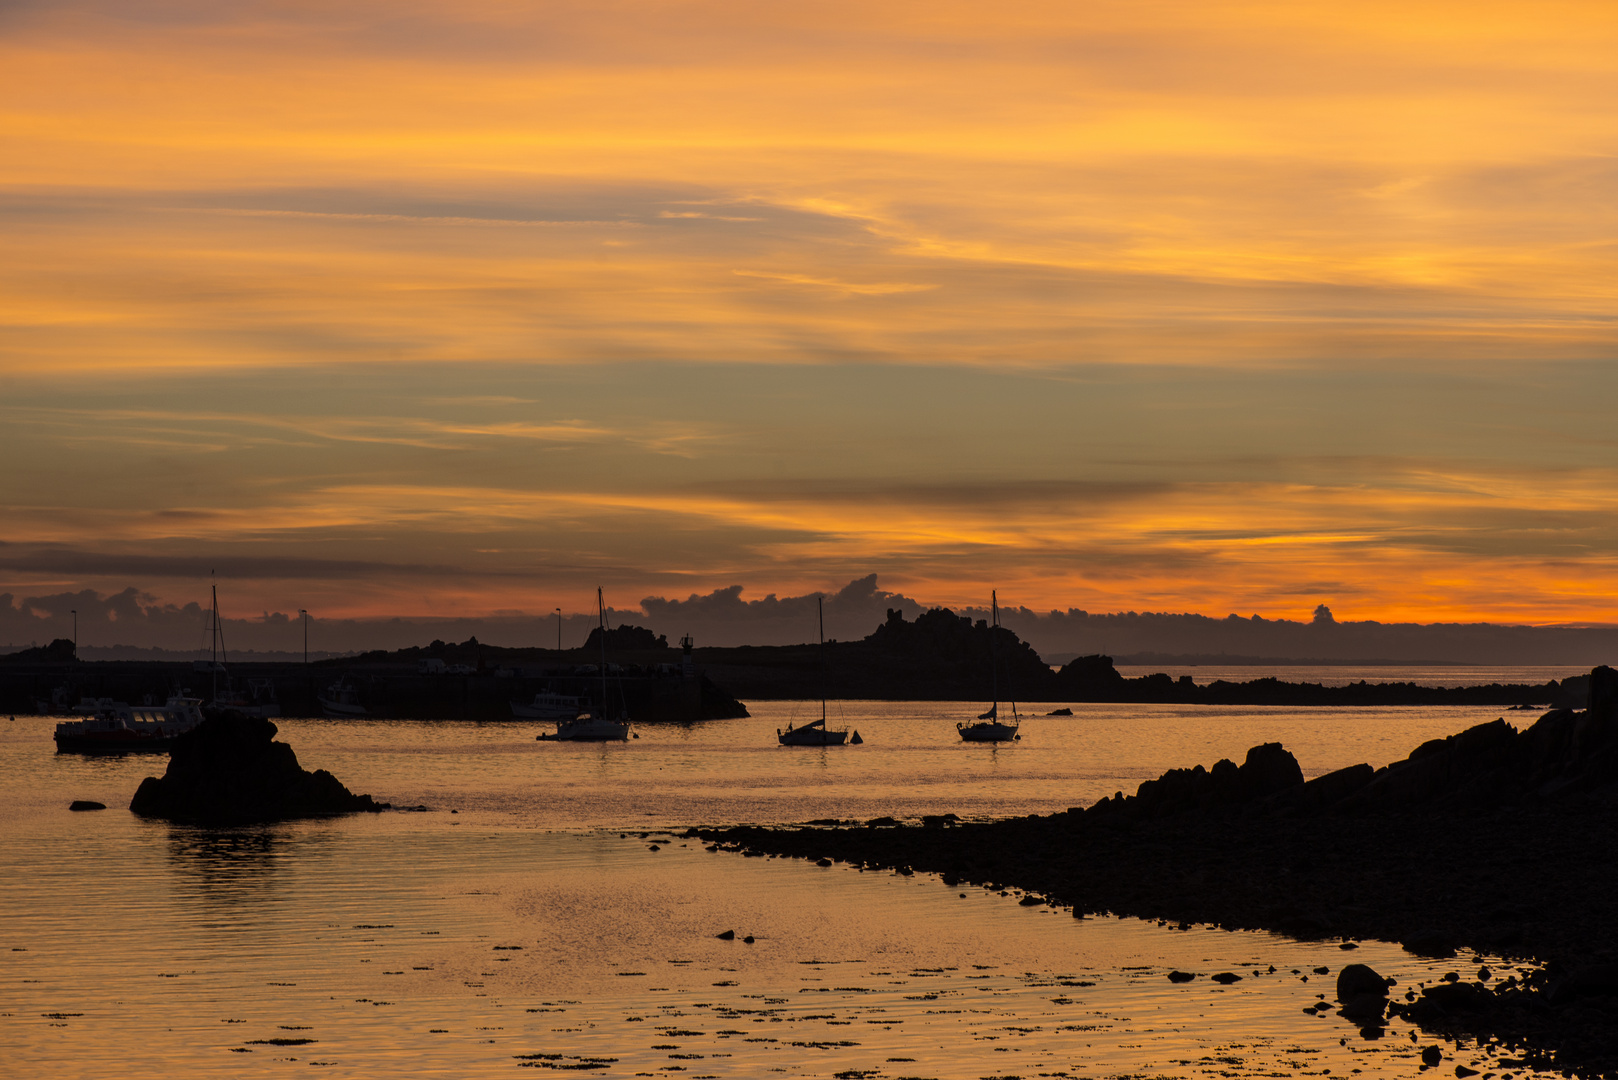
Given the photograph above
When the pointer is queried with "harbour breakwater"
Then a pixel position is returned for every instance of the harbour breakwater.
(383, 690)
(1496, 839)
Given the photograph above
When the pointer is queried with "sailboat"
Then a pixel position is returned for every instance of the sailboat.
(600, 724)
(989, 727)
(257, 701)
(815, 732)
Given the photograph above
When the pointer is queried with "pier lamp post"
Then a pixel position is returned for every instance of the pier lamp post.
(75, 631)
(558, 629)
(304, 615)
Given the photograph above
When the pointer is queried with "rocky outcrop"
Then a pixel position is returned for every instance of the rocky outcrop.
(230, 771)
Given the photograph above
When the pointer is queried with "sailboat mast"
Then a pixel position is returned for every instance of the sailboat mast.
(994, 649)
(601, 609)
(820, 609)
(217, 638)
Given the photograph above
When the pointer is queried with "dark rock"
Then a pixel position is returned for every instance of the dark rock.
(1593, 980)
(748, 940)
(1225, 978)
(1450, 998)
(1060, 712)
(229, 771)
(1463, 1071)
(1431, 1055)
(1269, 769)
(1602, 698)
(1032, 901)
(1334, 787)
(1180, 976)
(728, 935)
(1356, 980)
(1429, 943)
(87, 804)
(822, 862)
(880, 822)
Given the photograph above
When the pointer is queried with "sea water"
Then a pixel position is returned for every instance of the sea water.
(542, 914)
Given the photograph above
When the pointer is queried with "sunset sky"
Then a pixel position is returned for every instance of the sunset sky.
(426, 307)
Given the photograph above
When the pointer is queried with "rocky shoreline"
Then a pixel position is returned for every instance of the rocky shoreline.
(1495, 840)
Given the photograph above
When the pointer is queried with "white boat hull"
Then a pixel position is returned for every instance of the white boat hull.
(589, 729)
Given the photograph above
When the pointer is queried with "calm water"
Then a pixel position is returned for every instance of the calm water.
(524, 921)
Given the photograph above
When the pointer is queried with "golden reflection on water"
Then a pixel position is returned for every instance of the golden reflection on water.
(475, 943)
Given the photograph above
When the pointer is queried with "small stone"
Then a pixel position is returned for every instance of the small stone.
(1431, 1055)
(748, 940)
(1462, 1070)
(1225, 978)
(87, 804)
(1484, 974)
(728, 935)
(822, 862)
(1180, 976)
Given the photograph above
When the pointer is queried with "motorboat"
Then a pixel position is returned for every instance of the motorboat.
(989, 727)
(341, 699)
(548, 705)
(602, 723)
(115, 727)
(815, 732)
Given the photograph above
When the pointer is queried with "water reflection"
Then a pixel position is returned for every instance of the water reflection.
(228, 866)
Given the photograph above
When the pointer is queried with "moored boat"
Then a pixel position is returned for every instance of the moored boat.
(114, 727)
(815, 732)
(602, 723)
(548, 705)
(989, 726)
(340, 699)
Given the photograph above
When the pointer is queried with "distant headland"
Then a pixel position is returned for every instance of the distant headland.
(937, 656)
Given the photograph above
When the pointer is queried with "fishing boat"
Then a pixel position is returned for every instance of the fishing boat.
(114, 727)
(601, 723)
(341, 699)
(989, 726)
(815, 732)
(548, 705)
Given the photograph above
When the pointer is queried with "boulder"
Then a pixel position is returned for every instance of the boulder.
(1269, 768)
(229, 771)
(1362, 991)
(1358, 979)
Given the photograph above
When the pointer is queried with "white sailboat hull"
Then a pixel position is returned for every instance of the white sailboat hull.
(590, 729)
